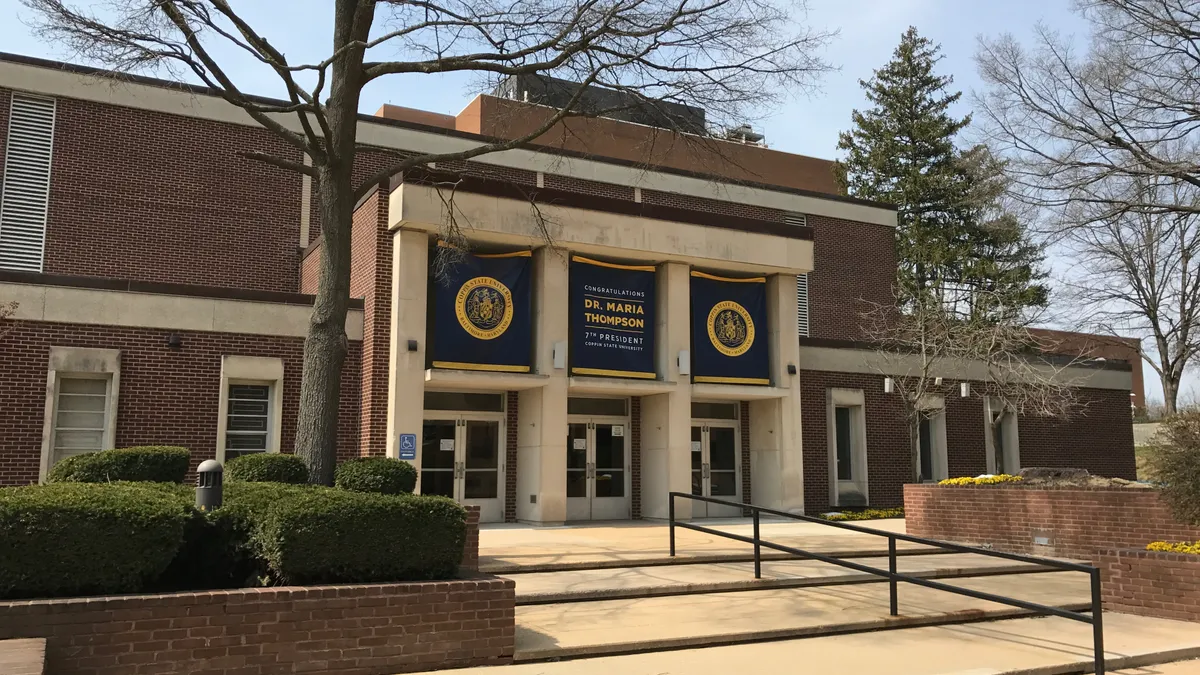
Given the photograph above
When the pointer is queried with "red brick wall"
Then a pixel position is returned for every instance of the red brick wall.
(143, 195)
(1150, 583)
(371, 279)
(375, 629)
(165, 397)
(470, 559)
(852, 262)
(1078, 522)
(511, 417)
(635, 457)
(1099, 438)
(744, 434)
(310, 271)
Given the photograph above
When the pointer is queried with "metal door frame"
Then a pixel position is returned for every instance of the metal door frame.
(590, 460)
(706, 463)
(460, 418)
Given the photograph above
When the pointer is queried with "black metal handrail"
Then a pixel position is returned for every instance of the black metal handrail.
(1094, 616)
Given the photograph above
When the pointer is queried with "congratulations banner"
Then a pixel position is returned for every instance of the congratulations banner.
(481, 314)
(729, 330)
(612, 319)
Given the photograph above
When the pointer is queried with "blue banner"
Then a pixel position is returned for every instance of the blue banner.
(729, 330)
(482, 315)
(612, 319)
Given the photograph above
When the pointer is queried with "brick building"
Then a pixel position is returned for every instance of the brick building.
(163, 285)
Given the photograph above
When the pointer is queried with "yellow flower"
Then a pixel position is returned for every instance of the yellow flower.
(1174, 547)
(981, 480)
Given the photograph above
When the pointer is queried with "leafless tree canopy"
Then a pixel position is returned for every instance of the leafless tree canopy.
(732, 57)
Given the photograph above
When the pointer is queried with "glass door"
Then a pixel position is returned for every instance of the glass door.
(461, 459)
(597, 470)
(716, 471)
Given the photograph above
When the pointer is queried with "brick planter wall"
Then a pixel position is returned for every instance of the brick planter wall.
(332, 630)
(470, 559)
(1149, 583)
(1077, 522)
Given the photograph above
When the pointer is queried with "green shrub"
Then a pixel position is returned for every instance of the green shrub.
(78, 538)
(1174, 462)
(385, 475)
(326, 535)
(152, 463)
(267, 467)
(217, 550)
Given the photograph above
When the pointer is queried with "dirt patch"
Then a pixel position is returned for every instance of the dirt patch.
(1040, 477)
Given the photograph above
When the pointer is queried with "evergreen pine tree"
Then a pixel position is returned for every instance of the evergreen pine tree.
(952, 234)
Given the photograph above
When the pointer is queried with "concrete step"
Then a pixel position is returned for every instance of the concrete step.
(656, 581)
(1042, 646)
(606, 627)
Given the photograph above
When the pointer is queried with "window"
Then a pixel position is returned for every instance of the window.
(452, 400)
(81, 416)
(933, 463)
(1003, 449)
(925, 436)
(248, 422)
(26, 191)
(250, 411)
(845, 460)
(714, 411)
(596, 406)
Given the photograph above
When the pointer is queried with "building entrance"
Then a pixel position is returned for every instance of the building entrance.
(598, 463)
(716, 469)
(462, 458)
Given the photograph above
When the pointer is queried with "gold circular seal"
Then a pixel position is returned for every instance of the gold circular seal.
(484, 308)
(730, 328)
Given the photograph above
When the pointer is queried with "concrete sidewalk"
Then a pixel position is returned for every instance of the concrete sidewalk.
(676, 579)
(509, 548)
(621, 626)
(1045, 646)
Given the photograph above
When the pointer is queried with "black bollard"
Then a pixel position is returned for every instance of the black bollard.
(209, 480)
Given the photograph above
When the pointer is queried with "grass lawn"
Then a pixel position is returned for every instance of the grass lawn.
(1142, 454)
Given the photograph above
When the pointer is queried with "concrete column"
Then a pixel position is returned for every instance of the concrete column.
(406, 370)
(667, 417)
(542, 415)
(776, 456)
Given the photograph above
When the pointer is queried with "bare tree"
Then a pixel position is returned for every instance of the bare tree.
(922, 343)
(1137, 272)
(729, 56)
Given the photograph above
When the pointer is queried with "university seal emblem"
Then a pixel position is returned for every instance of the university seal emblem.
(730, 328)
(484, 308)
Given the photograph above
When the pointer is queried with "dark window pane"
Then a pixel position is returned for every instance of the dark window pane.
(926, 445)
(246, 441)
(576, 483)
(432, 454)
(697, 481)
(610, 450)
(455, 400)
(577, 447)
(722, 449)
(247, 407)
(845, 463)
(610, 483)
(483, 445)
(437, 482)
(723, 483)
(241, 423)
(596, 406)
(714, 411)
(481, 484)
(250, 391)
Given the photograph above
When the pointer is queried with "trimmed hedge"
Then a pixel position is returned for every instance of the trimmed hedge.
(81, 538)
(151, 463)
(267, 467)
(328, 535)
(385, 475)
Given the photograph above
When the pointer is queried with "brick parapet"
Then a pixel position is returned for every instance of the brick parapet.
(1151, 583)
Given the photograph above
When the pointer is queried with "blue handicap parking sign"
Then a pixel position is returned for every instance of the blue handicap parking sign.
(408, 446)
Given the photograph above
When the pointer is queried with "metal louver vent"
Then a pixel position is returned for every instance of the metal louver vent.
(26, 193)
(800, 220)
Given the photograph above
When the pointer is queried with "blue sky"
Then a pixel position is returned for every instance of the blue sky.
(869, 31)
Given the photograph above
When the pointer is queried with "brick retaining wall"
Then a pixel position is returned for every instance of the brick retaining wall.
(1075, 522)
(334, 630)
(470, 559)
(1150, 583)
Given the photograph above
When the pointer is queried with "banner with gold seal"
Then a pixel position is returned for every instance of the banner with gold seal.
(729, 330)
(482, 314)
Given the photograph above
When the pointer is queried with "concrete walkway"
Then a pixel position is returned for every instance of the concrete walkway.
(509, 548)
(1044, 646)
(621, 626)
(729, 576)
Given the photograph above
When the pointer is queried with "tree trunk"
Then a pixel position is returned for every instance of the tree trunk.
(326, 344)
(1170, 386)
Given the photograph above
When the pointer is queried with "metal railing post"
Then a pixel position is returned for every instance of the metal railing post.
(757, 549)
(895, 601)
(1097, 621)
(671, 517)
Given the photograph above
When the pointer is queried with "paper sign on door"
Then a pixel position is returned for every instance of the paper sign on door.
(618, 430)
(695, 446)
(579, 444)
(447, 445)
